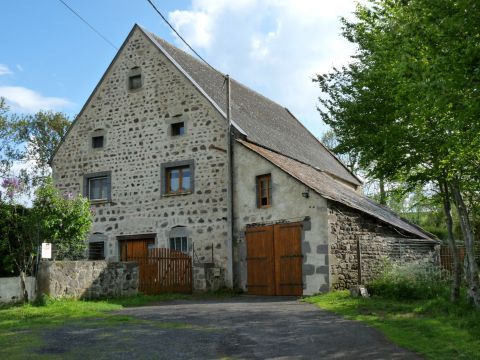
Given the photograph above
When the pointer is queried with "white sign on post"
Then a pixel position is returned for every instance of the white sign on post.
(46, 250)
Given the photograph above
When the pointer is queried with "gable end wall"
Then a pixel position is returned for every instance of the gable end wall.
(136, 125)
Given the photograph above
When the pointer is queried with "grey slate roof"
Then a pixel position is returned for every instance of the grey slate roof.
(330, 189)
(264, 121)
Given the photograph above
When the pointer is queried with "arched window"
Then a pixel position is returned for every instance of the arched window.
(179, 239)
(96, 246)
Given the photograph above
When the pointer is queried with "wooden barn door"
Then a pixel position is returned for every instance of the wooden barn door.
(288, 259)
(274, 260)
(260, 261)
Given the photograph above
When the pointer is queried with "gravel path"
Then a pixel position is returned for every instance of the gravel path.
(234, 328)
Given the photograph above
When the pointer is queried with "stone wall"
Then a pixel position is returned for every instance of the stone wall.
(136, 125)
(10, 289)
(378, 241)
(208, 277)
(87, 279)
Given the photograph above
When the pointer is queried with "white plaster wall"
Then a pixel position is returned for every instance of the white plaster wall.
(10, 289)
(287, 203)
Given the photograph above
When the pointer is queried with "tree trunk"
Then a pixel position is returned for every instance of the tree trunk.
(23, 286)
(383, 197)
(473, 281)
(457, 269)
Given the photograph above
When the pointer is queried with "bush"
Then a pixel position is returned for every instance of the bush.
(411, 281)
(64, 221)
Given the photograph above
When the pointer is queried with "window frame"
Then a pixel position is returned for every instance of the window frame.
(259, 181)
(97, 137)
(95, 134)
(173, 241)
(97, 257)
(134, 73)
(165, 172)
(173, 126)
(86, 186)
(168, 178)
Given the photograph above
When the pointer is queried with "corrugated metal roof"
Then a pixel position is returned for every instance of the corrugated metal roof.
(330, 189)
(264, 121)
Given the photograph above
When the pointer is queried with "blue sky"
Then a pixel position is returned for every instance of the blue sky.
(49, 59)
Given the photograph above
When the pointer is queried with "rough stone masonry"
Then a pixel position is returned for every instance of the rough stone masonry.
(87, 279)
(136, 125)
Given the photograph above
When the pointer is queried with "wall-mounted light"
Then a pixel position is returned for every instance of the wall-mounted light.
(306, 193)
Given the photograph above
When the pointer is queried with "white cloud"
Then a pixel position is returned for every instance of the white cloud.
(5, 70)
(21, 99)
(274, 46)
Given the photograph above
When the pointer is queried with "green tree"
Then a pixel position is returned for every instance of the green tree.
(41, 133)
(408, 104)
(19, 233)
(30, 139)
(64, 221)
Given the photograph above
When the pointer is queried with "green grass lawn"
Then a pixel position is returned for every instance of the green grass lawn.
(434, 328)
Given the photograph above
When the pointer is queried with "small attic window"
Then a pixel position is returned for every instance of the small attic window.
(135, 79)
(97, 142)
(135, 82)
(178, 129)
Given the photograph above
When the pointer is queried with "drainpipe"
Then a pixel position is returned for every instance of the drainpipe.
(229, 279)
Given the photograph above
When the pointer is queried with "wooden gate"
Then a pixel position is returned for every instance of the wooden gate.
(160, 270)
(274, 259)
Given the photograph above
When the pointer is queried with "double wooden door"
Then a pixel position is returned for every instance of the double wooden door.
(274, 259)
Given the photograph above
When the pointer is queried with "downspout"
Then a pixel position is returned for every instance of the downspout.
(229, 279)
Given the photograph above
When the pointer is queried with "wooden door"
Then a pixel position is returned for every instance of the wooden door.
(260, 261)
(137, 250)
(274, 260)
(132, 250)
(288, 259)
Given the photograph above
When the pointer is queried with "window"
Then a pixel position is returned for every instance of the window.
(97, 187)
(135, 82)
(177, 177)
(178, 129)
(96, 250)
(97, 142)
(264, 191)
(179, 243)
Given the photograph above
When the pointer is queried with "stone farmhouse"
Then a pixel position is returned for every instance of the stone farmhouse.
(262, 205)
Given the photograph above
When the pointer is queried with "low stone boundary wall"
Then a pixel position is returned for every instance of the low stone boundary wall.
(10, 289)
(87, 279)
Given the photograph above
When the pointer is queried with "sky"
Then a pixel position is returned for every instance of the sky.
(51, 60)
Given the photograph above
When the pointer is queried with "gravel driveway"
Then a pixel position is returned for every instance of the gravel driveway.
(234, 328)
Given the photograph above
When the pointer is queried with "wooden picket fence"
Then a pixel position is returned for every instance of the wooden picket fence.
(164, 271)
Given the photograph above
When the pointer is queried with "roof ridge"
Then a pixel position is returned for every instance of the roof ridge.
(220, 72)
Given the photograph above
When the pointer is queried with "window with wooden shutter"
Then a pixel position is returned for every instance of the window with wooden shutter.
(264, 191)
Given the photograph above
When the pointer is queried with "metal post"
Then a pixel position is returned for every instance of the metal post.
(229, 278)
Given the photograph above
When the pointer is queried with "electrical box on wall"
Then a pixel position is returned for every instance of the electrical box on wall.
(216, 272)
